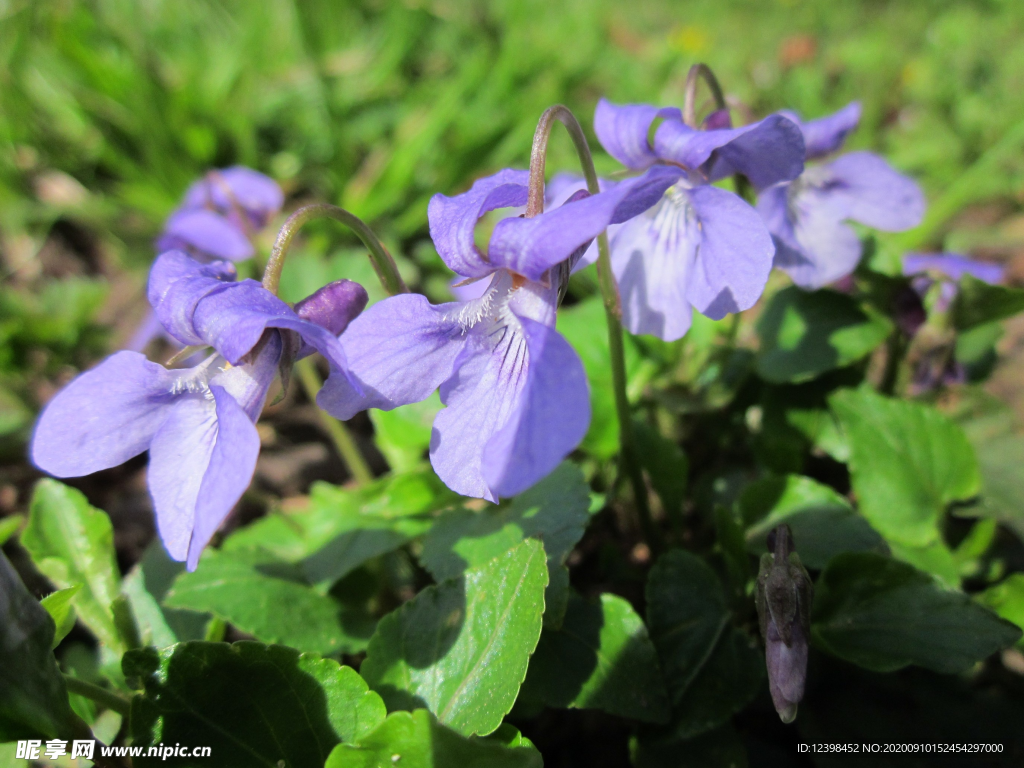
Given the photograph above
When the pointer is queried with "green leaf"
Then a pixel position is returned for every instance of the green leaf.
(73, 543)
(884, 615)
(59, 606)
(461, 648)
(712, 669)
(806, 333)
(820, 428)
(666, 465)
(1000, 458)
(145, 586)
(978, 302)
(601, 658)
(585, 326)
(252, 704)
(343, 528)
(823, 522)
(403, 434)
(555, 511)
(908, 462)
(1006, 599)
(10, 526)
(260, 599)
(33, 697)
(416, 740)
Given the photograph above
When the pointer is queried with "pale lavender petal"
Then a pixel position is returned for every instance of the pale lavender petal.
(530, 247)
(812, 245)
(468, 289)
(827, 134)
(399, 351)
(179, 457)
(953, 266)
(868, 190)
(103, 417)
(229, 471)
(623, 131)
(206, 232)
(177, 283)
(453, 219)
(703, 248)
(787, 665)
(551, 419)
(766, 152)
(238, 187)
(249, 384)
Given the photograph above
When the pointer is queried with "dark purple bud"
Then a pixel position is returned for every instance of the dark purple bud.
(908, 310)
(716, 120)
(334, 306)
(784, 593)
(787, 668)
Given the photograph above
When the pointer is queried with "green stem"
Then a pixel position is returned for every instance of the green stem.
(382, 262)
(101, 696)
(693, 77)
(347, 448)
(609, 293)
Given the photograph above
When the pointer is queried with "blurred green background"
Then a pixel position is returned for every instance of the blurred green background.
(110, 108)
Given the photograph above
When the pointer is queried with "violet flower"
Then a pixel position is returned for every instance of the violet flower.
(219, 214)
(516, 395)
(198, 424)
(700, 247)
(813, 244)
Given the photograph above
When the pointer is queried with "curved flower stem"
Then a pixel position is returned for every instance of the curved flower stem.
(346, 446)
(382, 262)
(609, 292)
(101, 696)
(693, 77)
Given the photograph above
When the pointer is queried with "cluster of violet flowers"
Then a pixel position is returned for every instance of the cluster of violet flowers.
(515, 393)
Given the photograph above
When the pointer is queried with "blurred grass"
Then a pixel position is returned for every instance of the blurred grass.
(109, 108)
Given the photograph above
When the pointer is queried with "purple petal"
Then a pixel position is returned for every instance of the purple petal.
(766, 152)
(530, 247)
(179, 457)
(551, 420)
(229, 472)
(208, 233)
(468, 289)
(953, 266)
(826, 134)
(787, 665)
(238, 187)
(399, 351)
(623, 131)
(812, 245)
(453, 219)
(868, 190)
(516, 405)
(103, 417)
(703, 247)
(177, 283)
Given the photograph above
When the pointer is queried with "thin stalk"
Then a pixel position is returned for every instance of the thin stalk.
(609, 293)
(382, 262)
(343, 442)
(693, 77)
(101, 696)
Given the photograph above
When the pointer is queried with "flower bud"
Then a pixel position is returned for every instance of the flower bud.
(784, 594)
(334, 306)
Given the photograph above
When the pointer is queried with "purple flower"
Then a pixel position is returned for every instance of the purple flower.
(219, 214)
(813, 244)
(700, 246)
(197, 423)
(925, 269)
(515, 391)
